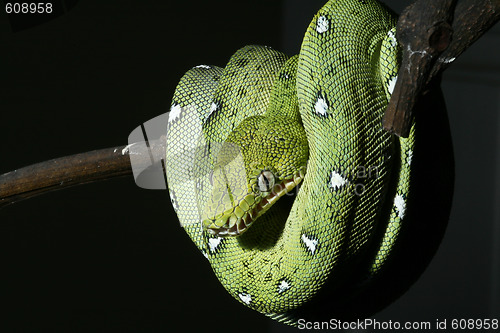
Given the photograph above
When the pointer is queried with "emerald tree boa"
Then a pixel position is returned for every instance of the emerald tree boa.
(280, 171)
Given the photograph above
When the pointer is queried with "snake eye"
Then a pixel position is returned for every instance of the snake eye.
(265, 181)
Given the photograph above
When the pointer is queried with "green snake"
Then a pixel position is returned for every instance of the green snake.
(280, 171)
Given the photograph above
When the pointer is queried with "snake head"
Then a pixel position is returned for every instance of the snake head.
(261, 160)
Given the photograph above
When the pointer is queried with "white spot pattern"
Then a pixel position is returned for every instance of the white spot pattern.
(337, 181)
(213, 243)
(213, 108)
(321, 106)
(410, 156)
(284, 286)
(392, 36)
(310, 243)
(246, 298)
(322, 25)
(400, 204)
(392, 84)
(172, 200)
(203, 66)
(199, 186)
(175, 113)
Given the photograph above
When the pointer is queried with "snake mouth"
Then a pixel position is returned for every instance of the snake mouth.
(242, 216)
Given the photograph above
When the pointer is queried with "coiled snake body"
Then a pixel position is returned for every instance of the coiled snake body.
(241, 140)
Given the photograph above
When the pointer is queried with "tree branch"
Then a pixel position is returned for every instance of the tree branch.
(63, 172)
(60, 173)
(432, 40)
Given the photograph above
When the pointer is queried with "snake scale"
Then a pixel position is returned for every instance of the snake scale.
(280, 172)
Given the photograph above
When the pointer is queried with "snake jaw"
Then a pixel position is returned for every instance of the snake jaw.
(236, 221)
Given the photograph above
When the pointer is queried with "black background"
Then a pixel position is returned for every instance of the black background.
(112, 257)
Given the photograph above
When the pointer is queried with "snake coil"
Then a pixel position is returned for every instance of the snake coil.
(241, 140)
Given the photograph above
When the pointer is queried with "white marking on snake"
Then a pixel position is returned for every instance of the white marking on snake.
(337, 181)
(310, 243)
(400, 204)
(203, 66)
(321, 106)
(204, 254)
(284, 286)
(214, 107)
(392, 84)
(175, 112)
(172, 200)
(246, 298)
(392, 36)
(322, 25)
(410, 156)
(213, 243)
(199, 186)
